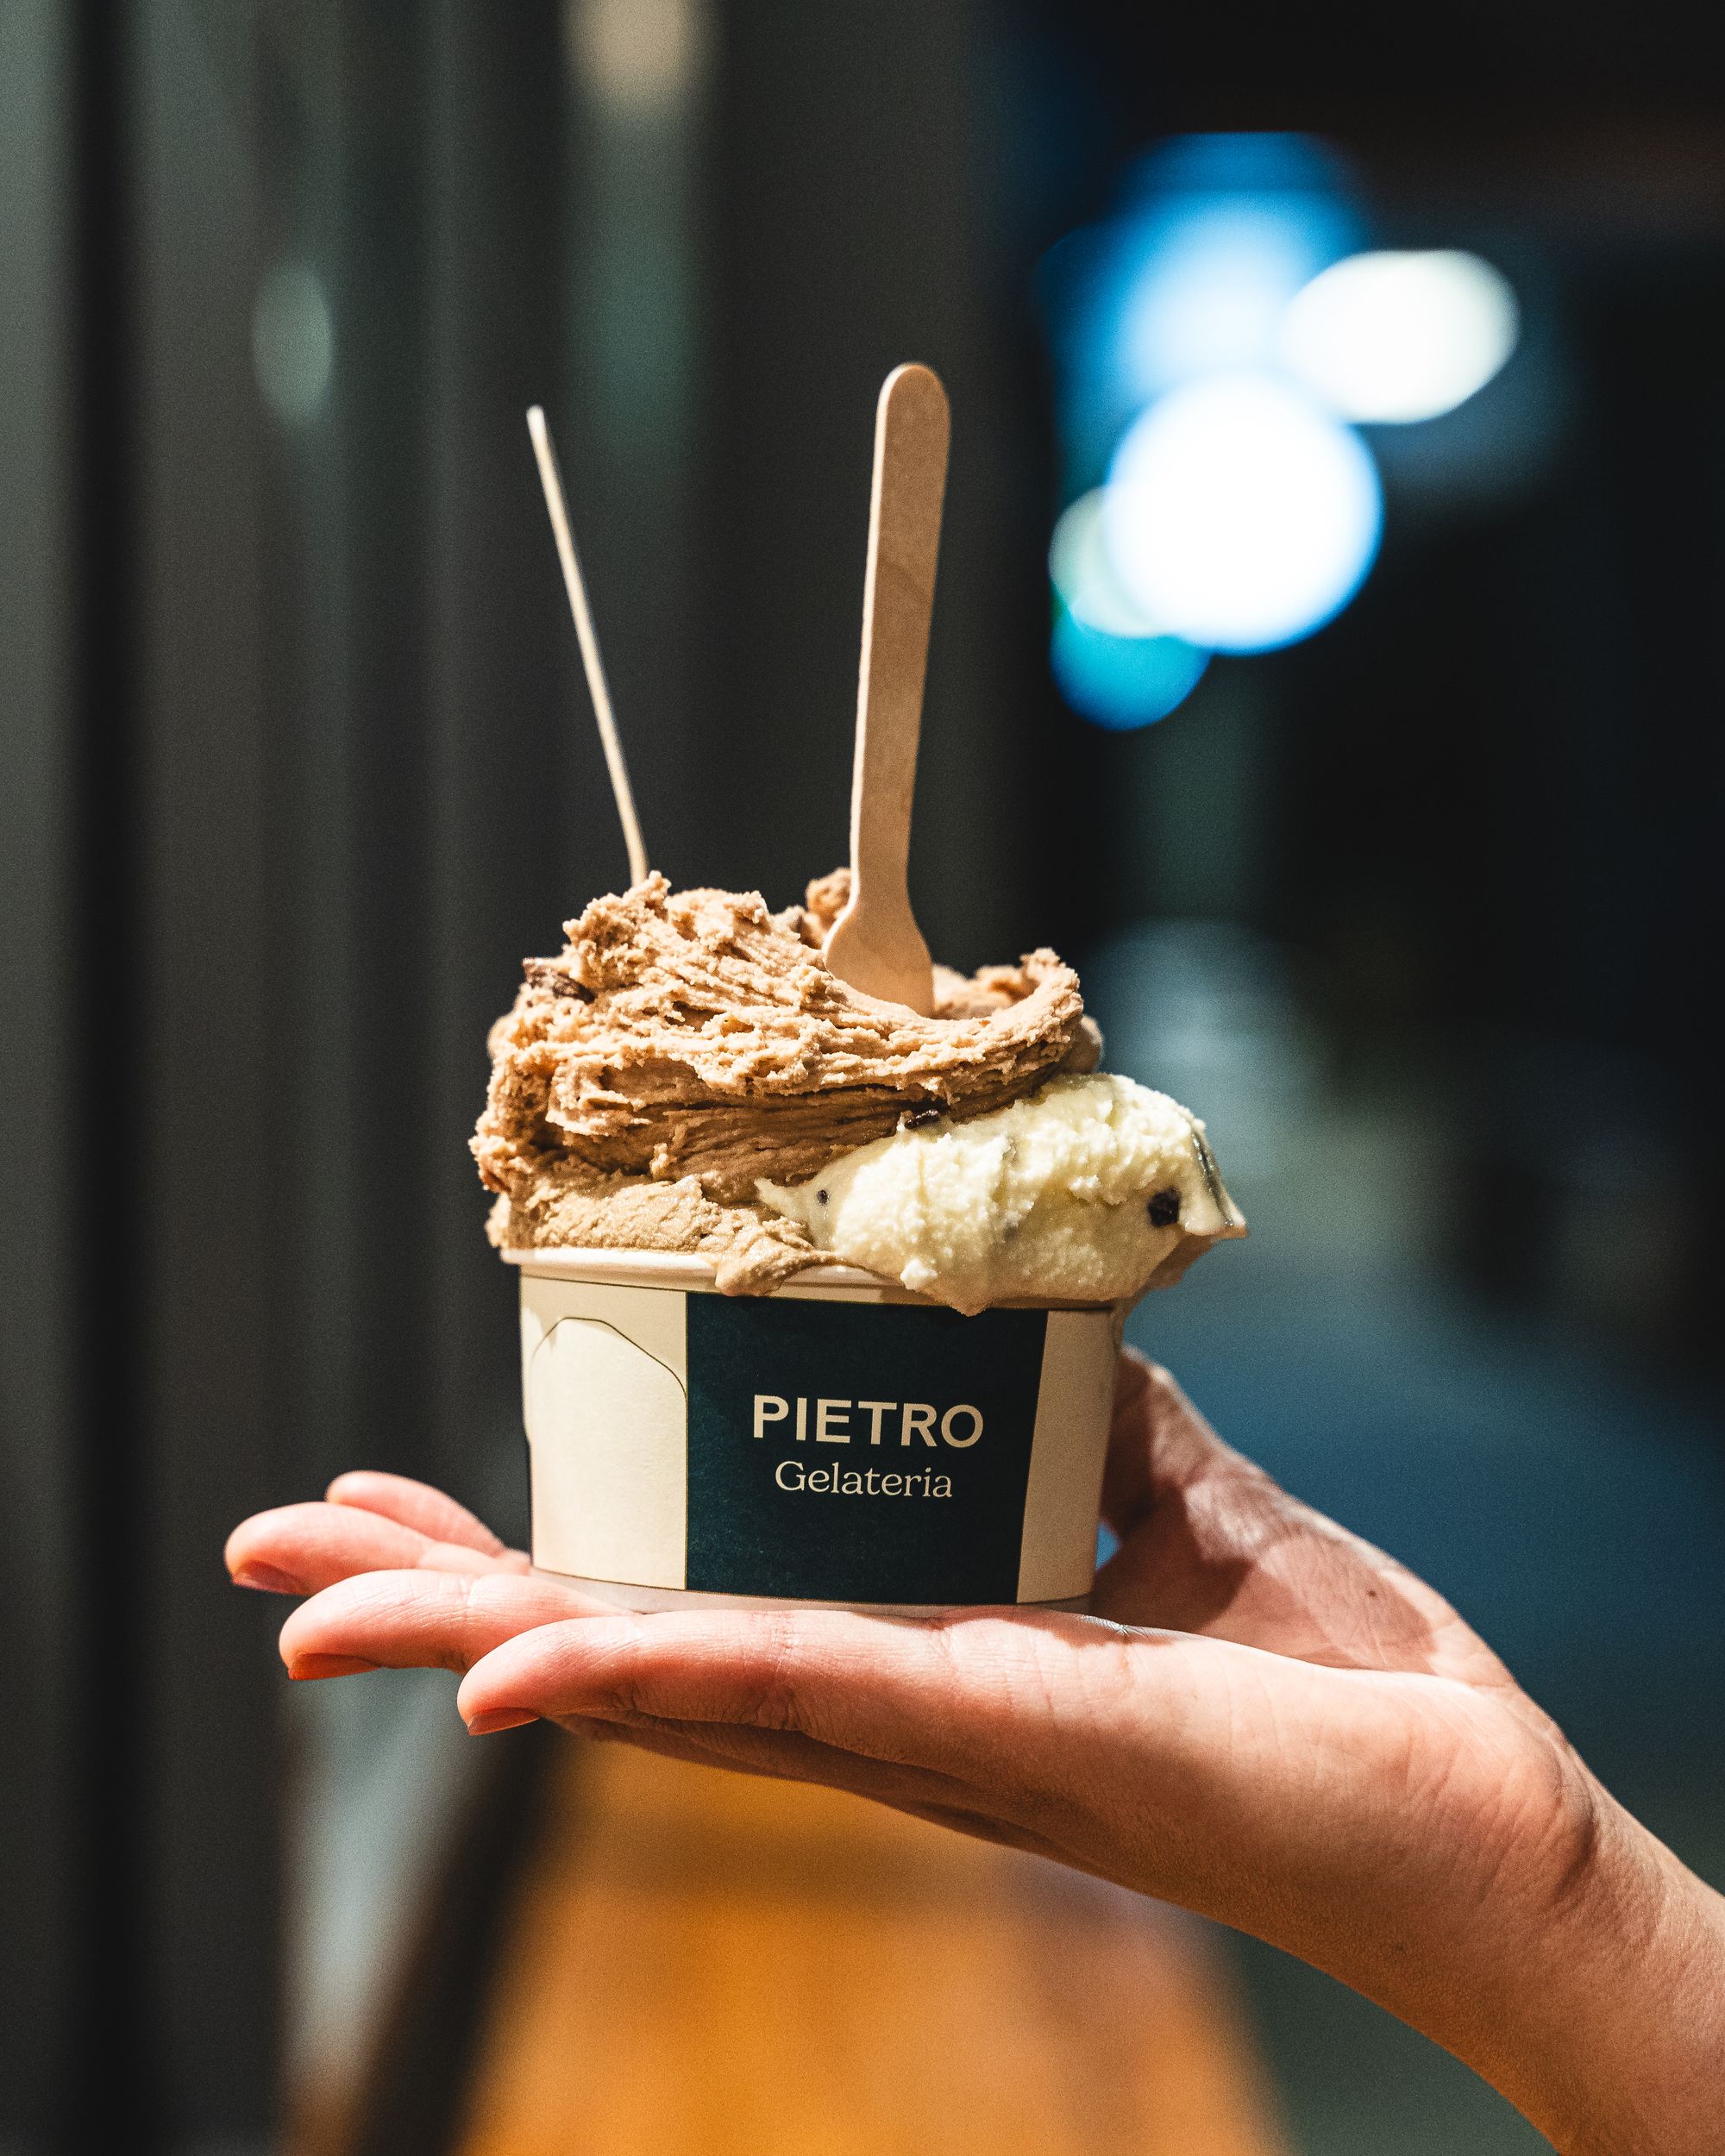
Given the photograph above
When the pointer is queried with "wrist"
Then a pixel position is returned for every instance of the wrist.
(1540, 1932)
(1605, 2024)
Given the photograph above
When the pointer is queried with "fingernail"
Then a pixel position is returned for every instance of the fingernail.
(267, 1580)
(501, 1718)
(306, 1669)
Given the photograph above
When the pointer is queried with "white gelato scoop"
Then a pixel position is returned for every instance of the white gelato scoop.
(1092, 1190)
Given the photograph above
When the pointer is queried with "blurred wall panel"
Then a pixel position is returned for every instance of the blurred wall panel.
(438, 806)
(849, 220)
(39, 1336)
(141, 1783)
(364, 881)
(520, 827)
(443, 806)
(635, 304)
(211, 1099)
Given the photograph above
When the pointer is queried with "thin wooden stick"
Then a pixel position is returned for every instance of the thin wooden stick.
(552, 482)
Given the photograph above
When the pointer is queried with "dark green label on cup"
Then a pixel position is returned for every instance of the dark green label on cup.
(855, 1453)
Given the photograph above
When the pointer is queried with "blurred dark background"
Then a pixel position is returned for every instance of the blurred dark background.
(1420, 911)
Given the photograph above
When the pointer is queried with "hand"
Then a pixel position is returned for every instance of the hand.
(1265, 1720)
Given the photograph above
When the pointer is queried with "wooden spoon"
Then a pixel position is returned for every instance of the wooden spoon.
(875, 944)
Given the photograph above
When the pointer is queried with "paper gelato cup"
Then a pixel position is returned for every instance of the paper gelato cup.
(841, 1441)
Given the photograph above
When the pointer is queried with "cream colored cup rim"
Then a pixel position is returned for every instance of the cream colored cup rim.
(679, 1269)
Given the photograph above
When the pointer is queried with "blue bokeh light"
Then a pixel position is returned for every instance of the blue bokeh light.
(1192, 274)
(1215, 280)
(1122, 682)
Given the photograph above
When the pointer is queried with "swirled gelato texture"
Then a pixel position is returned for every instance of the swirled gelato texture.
(687, 1075)
(1091, 1190)
(685, 1046)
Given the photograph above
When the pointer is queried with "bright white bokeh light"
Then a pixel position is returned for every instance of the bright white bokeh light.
(1081, 572)
(1238, 516)
(1396, 336)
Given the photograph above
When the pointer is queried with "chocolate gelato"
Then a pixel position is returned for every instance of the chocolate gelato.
(686, 1046)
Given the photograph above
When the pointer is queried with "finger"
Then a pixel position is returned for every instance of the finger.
(990, 1699)
(298, 1549)
(775, 1755)
(784, 1754)
(421, 1620)
(1199, 1770)
(772, 1756)
(830, 1674)
(1211, 1762)
(1158, 1442)
(415, 1505)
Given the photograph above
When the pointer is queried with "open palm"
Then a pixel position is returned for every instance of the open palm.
(1265, 1718)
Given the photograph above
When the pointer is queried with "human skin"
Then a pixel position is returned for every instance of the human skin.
(1265, 1720)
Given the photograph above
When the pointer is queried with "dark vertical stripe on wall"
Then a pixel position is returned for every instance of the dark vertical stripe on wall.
(111, 2101)
(37, 1351)
(211, 1090)
(843, 225)
(377, 410)
(498, 654)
